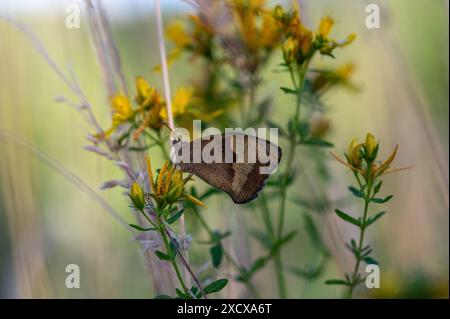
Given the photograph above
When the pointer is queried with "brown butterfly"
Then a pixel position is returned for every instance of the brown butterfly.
(237, 163)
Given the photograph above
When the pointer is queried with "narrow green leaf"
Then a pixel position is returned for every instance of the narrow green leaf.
(373, 219)
(137, 227)
(163, 256)
(382, 200)
(356, 191)
(336, 282)
(377, 187)
(162, 297)
(263, 238)
(370, 261)
(216, 286)
(208, 193)
(313, 141)
(313, 233)
(347, 218)
(216, 255)
(281, 131)
(182, 295)
(288, 90)
(172, 219)
(282, 241)
(173, 249)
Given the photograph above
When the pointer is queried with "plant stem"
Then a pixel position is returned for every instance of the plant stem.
(174, 263)
(283, 190)
(266, 217)
(355, 279)
(227, 255)
(161, 229)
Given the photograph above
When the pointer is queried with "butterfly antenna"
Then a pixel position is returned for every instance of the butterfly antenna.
(172, 131)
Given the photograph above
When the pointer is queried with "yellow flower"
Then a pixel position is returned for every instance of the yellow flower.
(146, 95)
(169, 185)
(327, 45)
(269, 35)
(180, 102)
(122, 110)
(326, 24)
(326, 79)
(176, 32)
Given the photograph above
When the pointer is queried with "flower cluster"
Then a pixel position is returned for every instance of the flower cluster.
(301, 43)
(150, 110)
(362, 158)
(166, 189)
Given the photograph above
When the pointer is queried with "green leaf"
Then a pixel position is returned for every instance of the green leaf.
(182, 294)
(347, 218)
(175, 217)
(373, 219)
(288, 90)
(314, 141)
(208, 193)
(141, 149)
(382, 200)
(281, 131)
(356, 192)
(216, 255)
(336, 282)
(137, 227)
(162, 297)
(217, 236)
(313, 233)
(216, 286)
(196, 292)
(303, 130)
(309, 271)
(370, 261)
(163, 256)
(377, 187)
(282, 241)
(263, 238)
(173, 249)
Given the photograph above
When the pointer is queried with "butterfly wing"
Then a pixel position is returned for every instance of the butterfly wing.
(236, 173)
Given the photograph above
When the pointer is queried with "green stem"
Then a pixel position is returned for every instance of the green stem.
(162, 231)
(354, 282)
(266, 217)
(227, 255)
(283, 190)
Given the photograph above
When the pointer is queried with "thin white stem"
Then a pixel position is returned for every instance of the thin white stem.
(166, 82)
(165, 72)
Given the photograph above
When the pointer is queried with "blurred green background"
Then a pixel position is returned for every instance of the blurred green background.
(47, 223)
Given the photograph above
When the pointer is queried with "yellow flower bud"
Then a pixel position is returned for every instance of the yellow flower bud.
(326, 24)
(278, 12)
(290, 47)
(371, 147)
(137, 196)
(354, 153)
